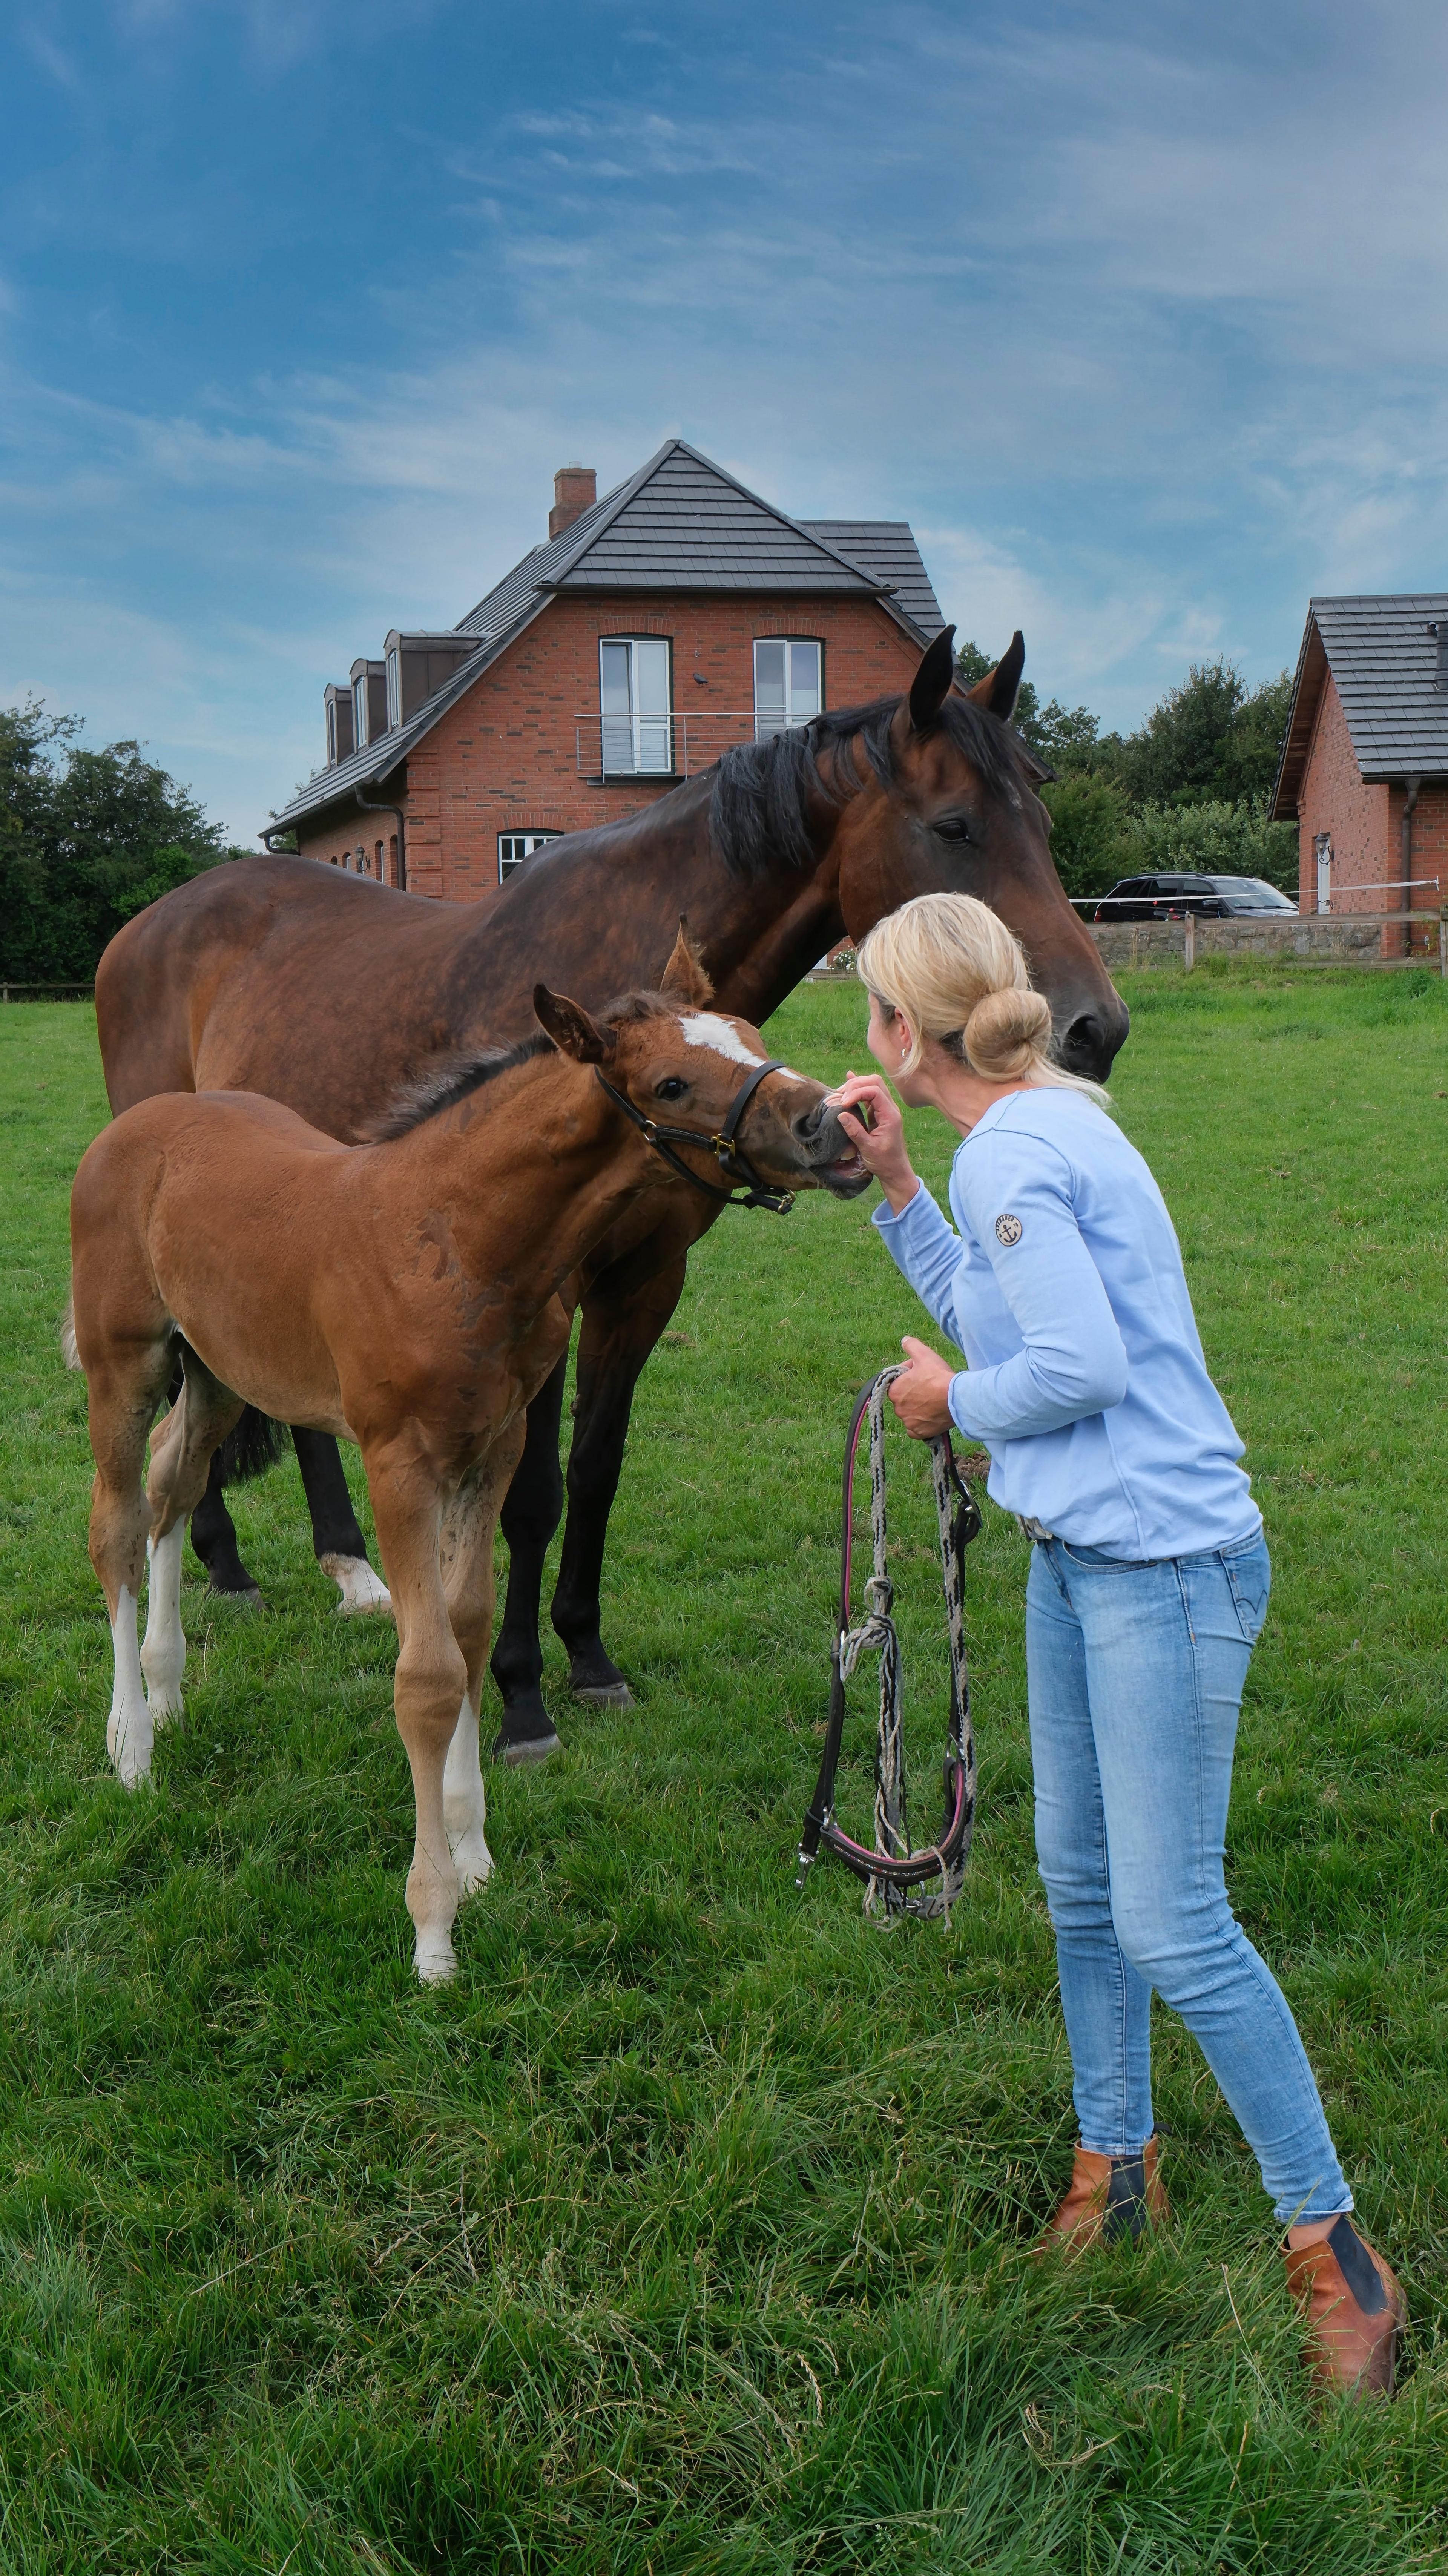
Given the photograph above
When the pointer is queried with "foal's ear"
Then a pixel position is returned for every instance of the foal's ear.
(931, 685)
(569, 1026)
(684, 979)
(999, 689)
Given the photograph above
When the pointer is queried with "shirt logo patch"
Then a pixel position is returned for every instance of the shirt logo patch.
(1008, 1230)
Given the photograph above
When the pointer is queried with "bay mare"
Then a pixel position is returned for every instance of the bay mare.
(403, 1295)
(326, 992)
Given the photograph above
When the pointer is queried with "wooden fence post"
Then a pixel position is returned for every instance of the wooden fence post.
(1443, 941)
(1189, 943)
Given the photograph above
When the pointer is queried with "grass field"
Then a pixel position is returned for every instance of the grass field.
(687, 2231)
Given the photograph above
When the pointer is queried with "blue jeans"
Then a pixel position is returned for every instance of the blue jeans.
(1136, 1674)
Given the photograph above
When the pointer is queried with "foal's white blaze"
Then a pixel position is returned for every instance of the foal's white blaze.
(129, 1730)
(360, 1588)
(464, 1803)
(708, 1029)
(163, 1656)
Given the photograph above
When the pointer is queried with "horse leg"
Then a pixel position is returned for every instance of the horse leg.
(126, 1381)
(213, 1536)
(340, 1546)
(623, 1316)
(467, 1558)
(532, 1509)
(181, 1457)
(429, 1686)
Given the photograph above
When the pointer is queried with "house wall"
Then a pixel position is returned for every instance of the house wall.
(1336, 798)
(505, 759)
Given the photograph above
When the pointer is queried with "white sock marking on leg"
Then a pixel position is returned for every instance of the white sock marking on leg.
(163, 1655)
(129, 1730)
(360, 1588)
(464, 1802)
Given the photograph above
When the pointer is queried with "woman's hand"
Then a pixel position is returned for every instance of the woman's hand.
(922, 1396)
(881, 1145)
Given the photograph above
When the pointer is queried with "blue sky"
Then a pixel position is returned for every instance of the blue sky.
(1137, 313)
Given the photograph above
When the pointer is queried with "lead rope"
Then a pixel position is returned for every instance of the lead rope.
(893, 1871)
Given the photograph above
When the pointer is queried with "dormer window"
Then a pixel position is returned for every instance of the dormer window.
(337, 701)
(394, 686)
(369, 702)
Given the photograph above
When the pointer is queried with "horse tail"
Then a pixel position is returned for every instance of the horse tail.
(255, 1444)
(68, 1351)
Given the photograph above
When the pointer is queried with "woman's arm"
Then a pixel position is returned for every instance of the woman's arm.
(881, 1143)
(1015, 1193)
(920, 1241)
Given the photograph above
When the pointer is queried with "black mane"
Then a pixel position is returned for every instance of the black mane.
(449, 1082)
(457, 1077)
(763, 791)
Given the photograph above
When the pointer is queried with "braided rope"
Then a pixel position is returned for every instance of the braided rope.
(876, 1633)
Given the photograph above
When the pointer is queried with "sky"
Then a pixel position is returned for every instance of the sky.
(1136, 312)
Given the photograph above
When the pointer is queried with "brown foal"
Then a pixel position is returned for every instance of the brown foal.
(404, 1294)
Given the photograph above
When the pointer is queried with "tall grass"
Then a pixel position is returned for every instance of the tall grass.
(688, 2231)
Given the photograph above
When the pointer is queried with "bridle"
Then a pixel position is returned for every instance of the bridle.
(733, 1162)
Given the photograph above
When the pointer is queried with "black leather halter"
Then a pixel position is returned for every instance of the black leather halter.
(732, 1160)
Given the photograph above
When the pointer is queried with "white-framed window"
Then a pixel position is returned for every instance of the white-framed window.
(1322, 852)
(359, 711)
(636, 706)
(788, 682)
(394, 688)
(516, 846)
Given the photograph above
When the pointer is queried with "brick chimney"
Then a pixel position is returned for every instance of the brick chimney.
(575, 489)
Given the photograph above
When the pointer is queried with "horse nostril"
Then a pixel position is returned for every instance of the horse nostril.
(1090, 1047)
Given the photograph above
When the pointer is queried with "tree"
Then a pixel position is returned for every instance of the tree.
(1090, 833)
(86, 838)
(1209, 741)
(1063, 738)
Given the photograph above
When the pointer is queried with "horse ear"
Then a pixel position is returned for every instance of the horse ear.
(684, 979)
(999, 689)
(931, 685)
(571, 1029)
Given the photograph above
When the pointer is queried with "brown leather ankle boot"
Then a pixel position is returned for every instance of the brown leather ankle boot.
(1110, 2197)
(1355, 2311)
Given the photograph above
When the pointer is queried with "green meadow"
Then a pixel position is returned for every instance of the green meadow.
(688, 2231)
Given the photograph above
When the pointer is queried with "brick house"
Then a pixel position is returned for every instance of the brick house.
(1364, 766)
(656, 626)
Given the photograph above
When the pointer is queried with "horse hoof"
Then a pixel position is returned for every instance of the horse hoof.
(604, 1694)
(593, 1675)
(250, 1598)
(361, 1589)
(516, 1750)
(435, 1967)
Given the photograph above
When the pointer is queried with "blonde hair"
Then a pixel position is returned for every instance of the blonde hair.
(949, 965)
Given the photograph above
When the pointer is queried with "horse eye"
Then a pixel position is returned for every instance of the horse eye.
(671, 1088)
(951, 828)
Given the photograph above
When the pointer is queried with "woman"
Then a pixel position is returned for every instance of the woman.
(1148, 1584)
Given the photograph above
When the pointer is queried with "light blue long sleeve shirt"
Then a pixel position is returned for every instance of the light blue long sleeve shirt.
(1065, 1290)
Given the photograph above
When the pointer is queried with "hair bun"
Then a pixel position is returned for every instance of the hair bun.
(1007, 1033)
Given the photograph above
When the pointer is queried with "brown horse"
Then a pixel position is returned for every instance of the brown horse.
(403, 1295)
(325, 992)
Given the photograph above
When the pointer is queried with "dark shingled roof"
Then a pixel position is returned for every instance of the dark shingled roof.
(1384, 663)
(680, 524)
(887, 549)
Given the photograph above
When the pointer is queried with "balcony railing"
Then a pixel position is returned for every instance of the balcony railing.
(671, 746)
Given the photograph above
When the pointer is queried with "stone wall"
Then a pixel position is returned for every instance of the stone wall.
(1151, 943)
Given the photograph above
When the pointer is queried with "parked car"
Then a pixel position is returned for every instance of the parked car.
(1171, 898)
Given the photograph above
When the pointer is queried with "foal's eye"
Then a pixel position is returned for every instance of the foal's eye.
(951, 827)
(671, 1088)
